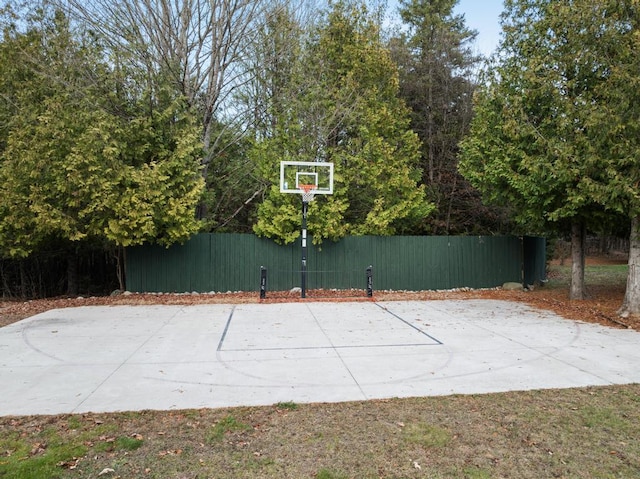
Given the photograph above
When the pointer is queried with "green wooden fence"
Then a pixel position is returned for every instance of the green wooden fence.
(231, 262)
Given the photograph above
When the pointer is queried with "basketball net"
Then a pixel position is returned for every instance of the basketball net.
(308, 192)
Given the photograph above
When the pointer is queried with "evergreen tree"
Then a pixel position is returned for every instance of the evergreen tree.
(90, 154)
(343, 107)
(437, 71)
(555, 129)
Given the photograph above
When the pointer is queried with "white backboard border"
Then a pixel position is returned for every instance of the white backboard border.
(307, 170)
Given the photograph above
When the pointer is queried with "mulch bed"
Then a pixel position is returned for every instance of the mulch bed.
(600, 308)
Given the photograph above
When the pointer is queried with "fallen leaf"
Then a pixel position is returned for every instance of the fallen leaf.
(37, 448)
(71, 465)
(106, 470)
(169, 452)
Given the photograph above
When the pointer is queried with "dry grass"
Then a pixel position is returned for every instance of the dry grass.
(557, 433)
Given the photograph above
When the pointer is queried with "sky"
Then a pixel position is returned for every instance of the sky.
(483, 16)
(480, 15)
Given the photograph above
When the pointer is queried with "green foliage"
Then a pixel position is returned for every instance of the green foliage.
(289, 406)
(126, 443)
(475, 472)
(437, 80)
(49, 451)
(325, 473)
(24, 464)
(426, 435)
(550, 138)
(224, 426)
(87, 154)
(156, 201)
(343, 108)
(44, 457)
(233, 188)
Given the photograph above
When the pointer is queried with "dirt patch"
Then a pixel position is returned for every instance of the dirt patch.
(595, 260)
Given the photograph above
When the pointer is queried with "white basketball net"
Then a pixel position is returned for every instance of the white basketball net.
(308, 193)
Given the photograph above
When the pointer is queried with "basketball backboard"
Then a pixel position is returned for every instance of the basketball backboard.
(293, 174)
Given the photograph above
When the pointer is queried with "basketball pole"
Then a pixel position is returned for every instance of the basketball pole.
(303, 281)
(306, 178)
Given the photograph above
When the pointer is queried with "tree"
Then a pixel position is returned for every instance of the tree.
(83, 162)
(274, 63)
(524, 145)
(545, 138)
(234, 187)
(197, 45)
(437, 71)
(341, 105)
(616, 127)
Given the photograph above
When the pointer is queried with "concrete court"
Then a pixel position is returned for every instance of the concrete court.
(104, 359)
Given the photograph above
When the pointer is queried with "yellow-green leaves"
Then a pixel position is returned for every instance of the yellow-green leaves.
(78, 163)
(553, 134)
(344, 109)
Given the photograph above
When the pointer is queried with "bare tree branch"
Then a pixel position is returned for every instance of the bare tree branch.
(200, 44)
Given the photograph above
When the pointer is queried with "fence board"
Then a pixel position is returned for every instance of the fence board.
(231, 262)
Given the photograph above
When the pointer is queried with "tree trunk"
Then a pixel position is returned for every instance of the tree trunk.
(120, 267)
(578, 234)
(72, 274)
(23, 279)
(631, 303)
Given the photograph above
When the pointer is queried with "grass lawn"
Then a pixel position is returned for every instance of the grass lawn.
(570, 433)
(590, 433)
(596, 275)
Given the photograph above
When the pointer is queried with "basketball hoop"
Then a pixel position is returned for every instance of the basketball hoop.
(308, 179)
(308, 192)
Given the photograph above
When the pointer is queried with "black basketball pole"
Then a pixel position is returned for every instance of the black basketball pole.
(303, 282)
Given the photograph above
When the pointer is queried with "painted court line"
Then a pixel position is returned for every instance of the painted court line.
(409, 324)
(432, 340)
(226, 328)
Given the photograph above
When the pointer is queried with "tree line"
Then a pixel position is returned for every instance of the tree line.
(555, 132)
(145, 121)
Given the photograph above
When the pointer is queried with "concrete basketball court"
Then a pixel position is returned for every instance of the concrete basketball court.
(118, 358)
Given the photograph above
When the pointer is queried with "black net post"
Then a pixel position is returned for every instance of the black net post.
(370, 281)
(263, 282)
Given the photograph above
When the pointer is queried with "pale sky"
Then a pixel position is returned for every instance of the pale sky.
(480, 15)
(483, 16)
